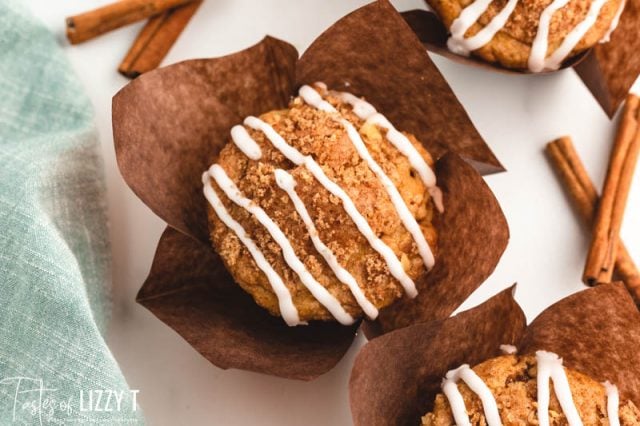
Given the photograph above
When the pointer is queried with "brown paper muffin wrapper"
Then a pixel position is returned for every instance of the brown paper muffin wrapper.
(396, 377)
(170, 124)
(608, 70)
(373, 53)
(597, 332)
(189, 289)
(473, 234)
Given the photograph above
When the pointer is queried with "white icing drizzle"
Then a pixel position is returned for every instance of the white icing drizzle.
(321, 294)
(541, 40)
(508, 349)
(456, 402)
(407, 218)
(287, 308)
(361, 108)
(245, 143)
(287, 183)
(550, 367)
(475, 383)
(614, 22)
(436, 196)
(613, 403)
(365, 111)
(296, 157)
(460, 45)
(554, 61)
(313, 98)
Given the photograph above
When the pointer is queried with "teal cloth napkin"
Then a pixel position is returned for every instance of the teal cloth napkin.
(55, 367)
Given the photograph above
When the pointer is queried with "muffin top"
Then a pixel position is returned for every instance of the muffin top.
(534, 35)
(323, 211)
(518, 387)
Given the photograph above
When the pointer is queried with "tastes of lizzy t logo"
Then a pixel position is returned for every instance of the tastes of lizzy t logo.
(31, 401)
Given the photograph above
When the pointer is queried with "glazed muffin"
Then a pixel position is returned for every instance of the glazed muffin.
(534, 35)
(323, 211)
(513, 382)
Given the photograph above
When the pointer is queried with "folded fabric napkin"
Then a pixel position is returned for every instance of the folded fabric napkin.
(55, 367)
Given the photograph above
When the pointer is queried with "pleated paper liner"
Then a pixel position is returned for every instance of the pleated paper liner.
(170, 124)
(396, 377)
(472, 217)
(608, 69)
(189, 289)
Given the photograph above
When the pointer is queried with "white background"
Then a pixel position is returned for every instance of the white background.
(515, 114)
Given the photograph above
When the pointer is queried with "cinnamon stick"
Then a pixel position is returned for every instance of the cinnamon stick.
(584, 196)
(604, 244)
(156, 39)
(91, 24)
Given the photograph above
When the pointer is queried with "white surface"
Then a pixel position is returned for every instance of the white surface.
(515, 114)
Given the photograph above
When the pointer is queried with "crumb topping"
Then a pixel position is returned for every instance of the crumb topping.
(318, 134)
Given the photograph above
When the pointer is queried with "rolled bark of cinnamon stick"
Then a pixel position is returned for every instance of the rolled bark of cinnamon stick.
(156, 39)
(604, 244)
(91, 24)
(584, 197)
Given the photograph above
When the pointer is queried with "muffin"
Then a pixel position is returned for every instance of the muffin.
(323, 211)
(512, 382)
(534, 35)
